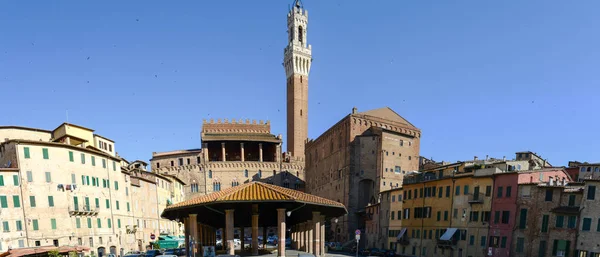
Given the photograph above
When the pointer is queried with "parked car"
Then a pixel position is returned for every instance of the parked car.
(288, 241)
(153, 253)
(390, 253)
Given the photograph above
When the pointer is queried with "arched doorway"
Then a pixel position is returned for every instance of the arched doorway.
(121, 252)
(365, 191)
(101, 251)
(113, 250)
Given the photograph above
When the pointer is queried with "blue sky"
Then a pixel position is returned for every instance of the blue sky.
(477, 77)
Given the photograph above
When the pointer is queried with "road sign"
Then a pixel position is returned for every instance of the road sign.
(152, 236)
(357, 237)
(357, 232)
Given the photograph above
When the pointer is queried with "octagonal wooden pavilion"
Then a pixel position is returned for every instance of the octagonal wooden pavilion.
(252, 205)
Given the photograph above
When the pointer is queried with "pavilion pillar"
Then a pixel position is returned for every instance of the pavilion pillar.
(293, 235)
(280, 231)
(316, 226)
(255, 229)
(200, 237)
(194, 229)
(303, 236)
(264, 242)
(242, 238)
(242, 150)
(309, 235)
(186, 231)
(323, 240)
(229, 229)
(260, 152)
(223, 152)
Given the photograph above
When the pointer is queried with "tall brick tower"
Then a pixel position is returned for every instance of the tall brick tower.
(297, 59)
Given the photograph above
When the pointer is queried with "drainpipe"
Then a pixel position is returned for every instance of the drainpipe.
(22, 200)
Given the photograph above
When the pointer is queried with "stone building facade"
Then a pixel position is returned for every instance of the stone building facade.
(589, 229)
(68, 187)
(233, 152)
(359, 156)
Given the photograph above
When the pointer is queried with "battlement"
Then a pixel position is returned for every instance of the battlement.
(236, 126)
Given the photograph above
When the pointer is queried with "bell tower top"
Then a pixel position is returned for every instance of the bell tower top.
(297, 48)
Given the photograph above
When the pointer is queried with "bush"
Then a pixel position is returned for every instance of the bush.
(53, 253)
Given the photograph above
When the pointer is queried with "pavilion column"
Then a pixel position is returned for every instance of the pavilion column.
(316, 233)
(280, 230)
(223, 152)
(323, 235)
(242, 238)
(260, 152)
(303, 237)
(293, 235)
(200, 237)
(310, 234)
(264, 242)
(255, 229)
(186, 231)
(242, 150)
(229, 228)
(194, 229)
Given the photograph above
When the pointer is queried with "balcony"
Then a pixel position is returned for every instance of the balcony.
(476, 198)
(82, 211)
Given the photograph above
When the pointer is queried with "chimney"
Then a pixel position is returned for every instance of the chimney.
(354, 110)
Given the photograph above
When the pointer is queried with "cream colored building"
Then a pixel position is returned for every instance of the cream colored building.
(68, 187)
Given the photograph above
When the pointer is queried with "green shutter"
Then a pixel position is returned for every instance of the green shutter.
(32, 201)
(26, 152)
(117, 205)
(116, 185)
(5, 226)
(78, 222)
(16, 201)
(89, 222)
(75, 203)
(48, 177)
(114, 166)
(35, 225)
(97, 203)
(545, 223)
(93, 161)
(128, 207)
(3, 201)
(99, 221)
(82, 179)
(51, 201)
(29, 176)
(107, 204)
(71, 159)
(19, 225)
(87, 203)
(53, 223)
(587, 224)
(82, 158)
(45, 153)
(1, 180)
(560, 220)
(109, 223)
(523, 219)
(104, 163)
(119, 223)
(16, 180)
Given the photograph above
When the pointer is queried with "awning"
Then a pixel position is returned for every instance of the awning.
(401, 234)
(447, 236)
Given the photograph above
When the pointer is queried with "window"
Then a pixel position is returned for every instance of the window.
(53, 223)
(503, 242)
(110, 147)
(542, 249)
(216, 186)
(180, 161)
(26, 152)
(45, 153)
(3, 201)
(445, 215)
(499, 194)
(466, 190)
(482, 241)
(591, 193)
(114, 166)
(188, 161)
(439, 215)
(520, 244)
(508, 191)
(1, 180)
(128, 207)
(32, 201)
(116, 185)
(117, 205)
(108, 221)
(19, 225)
(549, 192)
(246, 173)
(35, 225)
(30, 176)
(16, 180)
(96, 200)
(16, 201)
(447, 191)
(93, 161)
(89, 222)
(457, 192)
(48, 177)
(99, 221)
(571, 200)
(560, 220)
(545, 218)
(78, 222)
(471, 240)
(194, 187)
(488, 190)
(71, 159)
(587, 224)
(523, 219)
(51, 201)
(210, 174)
(107, 204)
(104, 163)
(5, 227)
(118, 223)
(392, 217)
(572, 222)
(259, 173)
(397, 169)
(505, 217)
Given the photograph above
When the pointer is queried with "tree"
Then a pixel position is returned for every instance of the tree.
(53, 253)
(72, 254)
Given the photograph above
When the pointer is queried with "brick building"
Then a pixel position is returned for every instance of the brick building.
(359, 156)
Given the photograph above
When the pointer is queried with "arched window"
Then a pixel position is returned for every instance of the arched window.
(216, 186)
(300, 34)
